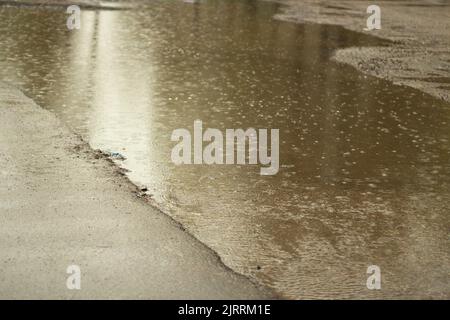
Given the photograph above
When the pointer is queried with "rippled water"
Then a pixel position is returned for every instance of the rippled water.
(365, 171)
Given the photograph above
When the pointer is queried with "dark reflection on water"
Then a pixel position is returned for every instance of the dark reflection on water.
(364, 175)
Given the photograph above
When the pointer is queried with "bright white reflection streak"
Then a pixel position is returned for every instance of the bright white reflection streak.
(123, 104)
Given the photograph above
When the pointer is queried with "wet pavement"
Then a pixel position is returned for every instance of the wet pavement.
(364, 175)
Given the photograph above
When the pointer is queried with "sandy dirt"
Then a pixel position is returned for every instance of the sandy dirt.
(419, 30)
(64, 204)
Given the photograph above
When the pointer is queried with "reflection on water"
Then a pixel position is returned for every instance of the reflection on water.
(364, 176)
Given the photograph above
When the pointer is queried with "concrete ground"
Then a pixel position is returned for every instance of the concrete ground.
(63, 204)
